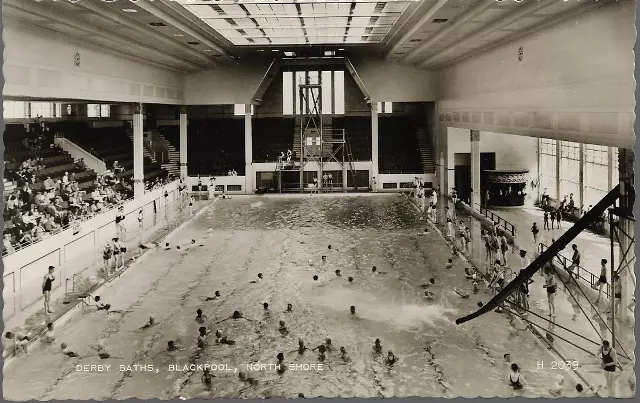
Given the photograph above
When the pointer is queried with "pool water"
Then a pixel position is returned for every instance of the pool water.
(284, 237)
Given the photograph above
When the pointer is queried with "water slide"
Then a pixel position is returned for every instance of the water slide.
(546, 256)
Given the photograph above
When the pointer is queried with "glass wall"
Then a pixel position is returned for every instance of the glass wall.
(548, 173)
(331, 82)
(596, 173)
(570, 171)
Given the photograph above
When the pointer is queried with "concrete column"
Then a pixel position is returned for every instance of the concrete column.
(626, 159)
(558, 151)
(183, 142)
(138, 150)
(248, 151)
(440, 154)
(611, 164)
(374, 144)
(475, 168)
(581, 176)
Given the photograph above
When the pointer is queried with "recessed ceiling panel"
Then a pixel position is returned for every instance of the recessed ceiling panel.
(293, 22)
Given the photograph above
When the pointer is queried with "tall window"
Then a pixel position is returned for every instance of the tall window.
(105, 111)
(570, 171)
(548, 174)
(616, 167)
(596, 173)
(58, 110)
(14, 109)
(44, 109)
(239, 109)
(385, 107)
(287, 93)
(338, 90)
(98, 111)
(332, 85)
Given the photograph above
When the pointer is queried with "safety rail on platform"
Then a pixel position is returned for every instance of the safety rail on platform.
(580, 272)
(497, 219)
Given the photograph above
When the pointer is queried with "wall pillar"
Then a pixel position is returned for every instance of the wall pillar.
(581, 178)
(138, 150)
(475, 168)
(183, 143)
(558, 151)
(611, 165)
(248, 151)
(374, 144)
(625, 266)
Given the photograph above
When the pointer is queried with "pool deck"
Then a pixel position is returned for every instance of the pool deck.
(577, 326)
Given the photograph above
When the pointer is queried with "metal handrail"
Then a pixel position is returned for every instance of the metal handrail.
(580, 271)
(18, 247)
(496, 218)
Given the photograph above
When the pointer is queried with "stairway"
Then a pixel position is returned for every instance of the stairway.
(174, 157)
(145, 152)
(426, 152)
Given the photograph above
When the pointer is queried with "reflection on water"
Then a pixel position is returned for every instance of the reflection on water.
(284, 238)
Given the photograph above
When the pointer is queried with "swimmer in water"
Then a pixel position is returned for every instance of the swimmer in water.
(338, 273)
(377, 347)
(283, 328)
(289, 307)
(373, 269)
(475, 287)
(515, 379)
(223, 339)
(236, 315)
(66, 351)
(265, 306)
(172, 346)
(428, 295)
(431, 282)
(327, 343)
(591, 391)
(301, 346)
(281, 366)
(329, 247)
(49, 337)
(315, 278)
(321, 349)
(199, 316)
(202, 337)
(352, 309)
(391, 358)
(449, 264)
(425, 232)
(246, 378)
(558, 386)
(324, 258)
(215, 297)
(151, 322)
(468, 273)
(206, 378)
(350, 279)
(301, 395)
(461, 293)
(258, 280)
(343, 354)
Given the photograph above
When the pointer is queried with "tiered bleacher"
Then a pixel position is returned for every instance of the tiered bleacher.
(271, 136)
(111, 144)
(216, 147)
(51, 190)
(358, 132)
(399, 151)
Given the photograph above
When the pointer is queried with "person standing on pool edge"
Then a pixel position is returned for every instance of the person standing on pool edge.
(449, 222)
(46, 289)
(609, 359)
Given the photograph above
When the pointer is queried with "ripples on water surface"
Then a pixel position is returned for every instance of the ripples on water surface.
(280, 236)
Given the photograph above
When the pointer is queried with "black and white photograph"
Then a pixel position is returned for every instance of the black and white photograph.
(254, 199)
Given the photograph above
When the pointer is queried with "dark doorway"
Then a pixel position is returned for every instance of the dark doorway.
(462, 174)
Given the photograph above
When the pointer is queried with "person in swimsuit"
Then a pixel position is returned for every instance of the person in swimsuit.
(617, 293)
(575, 259)
(21, 340)
(602, 280)
(122, 249)
(552, 215)
(550, 286)
(504, 247)
(49, 337)
(140, 221)
(559, 217)
(609, 363)
(515, 378)
(191, 202)
(116, 253)
(107, 252)
(46, 289)
(449, 217)
(119, 221)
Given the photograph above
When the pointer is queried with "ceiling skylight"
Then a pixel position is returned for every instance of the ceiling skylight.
(301, 22)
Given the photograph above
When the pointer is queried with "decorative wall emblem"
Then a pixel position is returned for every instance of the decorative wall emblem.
(76, 59)
(508, 177)
(520, 53)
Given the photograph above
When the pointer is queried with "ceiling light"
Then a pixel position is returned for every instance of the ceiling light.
(260, 50)
(329, 53)
(289, 54)
(207, 50)
(129, 10)
(274, 50)
(341, 49)
(178, 34)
